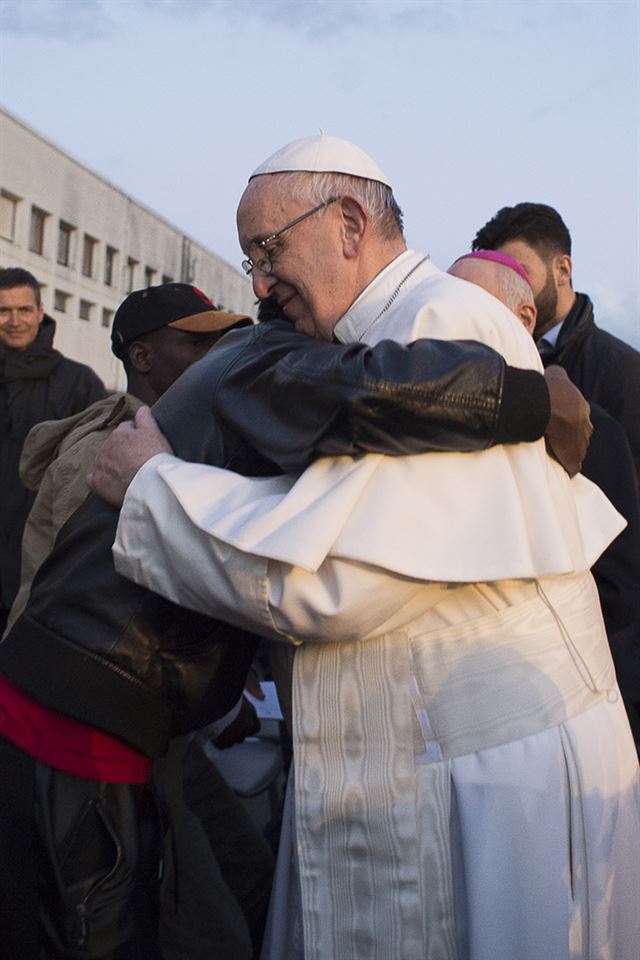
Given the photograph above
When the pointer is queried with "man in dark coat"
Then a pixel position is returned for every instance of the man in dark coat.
(36, 383)
(604, 368)
(607, 371)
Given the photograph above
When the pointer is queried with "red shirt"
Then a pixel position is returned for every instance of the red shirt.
(67, 744)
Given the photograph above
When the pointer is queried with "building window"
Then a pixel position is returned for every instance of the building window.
(107, 317)
(88, 250)
(109, 265)
(60, 299)
(149, 274)
(166, 278)
(65, 232)
(8, 211)
(36, 229)
(85, 309)
(130, 276)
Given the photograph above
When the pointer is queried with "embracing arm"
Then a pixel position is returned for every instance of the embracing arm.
(161, 547)
(294, 399)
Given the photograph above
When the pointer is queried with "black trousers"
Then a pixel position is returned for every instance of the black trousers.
(80, 865)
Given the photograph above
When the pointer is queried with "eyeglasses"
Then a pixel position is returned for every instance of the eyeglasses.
(264, 264)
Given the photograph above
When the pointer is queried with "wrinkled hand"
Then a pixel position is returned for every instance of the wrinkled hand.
(246, 724)
(123, 453)
(570, 428)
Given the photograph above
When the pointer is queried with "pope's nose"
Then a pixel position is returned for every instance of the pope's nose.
(263, 283)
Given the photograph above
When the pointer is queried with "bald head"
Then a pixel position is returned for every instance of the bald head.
(502, 282)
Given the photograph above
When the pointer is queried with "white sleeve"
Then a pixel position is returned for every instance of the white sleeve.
(159, 546)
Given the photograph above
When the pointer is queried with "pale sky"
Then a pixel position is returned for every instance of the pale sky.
(467, 106)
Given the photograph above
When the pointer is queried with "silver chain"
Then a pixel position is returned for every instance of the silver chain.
(394, 295)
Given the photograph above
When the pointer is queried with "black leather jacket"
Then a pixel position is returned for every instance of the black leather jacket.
(604, 368)
(111, 654)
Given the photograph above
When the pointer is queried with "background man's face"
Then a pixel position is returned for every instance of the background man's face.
(20, 318)
(307, 278)
(543, 282)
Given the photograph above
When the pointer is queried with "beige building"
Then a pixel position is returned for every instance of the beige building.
(89, 244)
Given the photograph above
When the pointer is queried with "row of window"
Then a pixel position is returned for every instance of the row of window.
(65, 251)
(86, 309)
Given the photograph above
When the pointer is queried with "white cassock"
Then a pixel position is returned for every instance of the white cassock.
(466, 785)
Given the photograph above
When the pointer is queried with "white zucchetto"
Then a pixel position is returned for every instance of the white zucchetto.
(322, 154)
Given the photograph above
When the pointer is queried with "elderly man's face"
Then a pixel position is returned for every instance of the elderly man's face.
(309, 277)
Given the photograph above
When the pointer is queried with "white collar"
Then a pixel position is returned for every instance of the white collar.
(373, 300)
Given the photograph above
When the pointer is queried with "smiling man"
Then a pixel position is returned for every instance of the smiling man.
(315, 275)
(21, 313)
(450, 655)
(36, 383)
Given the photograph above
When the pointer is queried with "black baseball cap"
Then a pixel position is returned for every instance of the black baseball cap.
(178, 305)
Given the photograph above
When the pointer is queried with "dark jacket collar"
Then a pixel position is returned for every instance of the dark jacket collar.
(578, 323)
(34, 363)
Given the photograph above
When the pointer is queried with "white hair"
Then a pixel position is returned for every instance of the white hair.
(376, 198)
(515, 290)
(512, 289)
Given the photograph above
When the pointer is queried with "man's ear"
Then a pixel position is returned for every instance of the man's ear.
(526, 314)
(140, 356)
(40, 313)
(562, 268)
(354, 224)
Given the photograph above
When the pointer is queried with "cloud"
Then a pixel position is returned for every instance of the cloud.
(177, 8)
(313, 18)
(65, 20)
(76, 21)
(320, 19)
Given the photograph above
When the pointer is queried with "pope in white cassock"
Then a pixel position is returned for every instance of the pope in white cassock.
(466, 785)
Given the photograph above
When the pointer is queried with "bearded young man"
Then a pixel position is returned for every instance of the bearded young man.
(607, 371)
(602, 366)
(609, 464)
(465, 780)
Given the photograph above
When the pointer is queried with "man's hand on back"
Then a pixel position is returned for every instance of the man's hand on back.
(570, 428)
(123, 453)
(246, 724)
